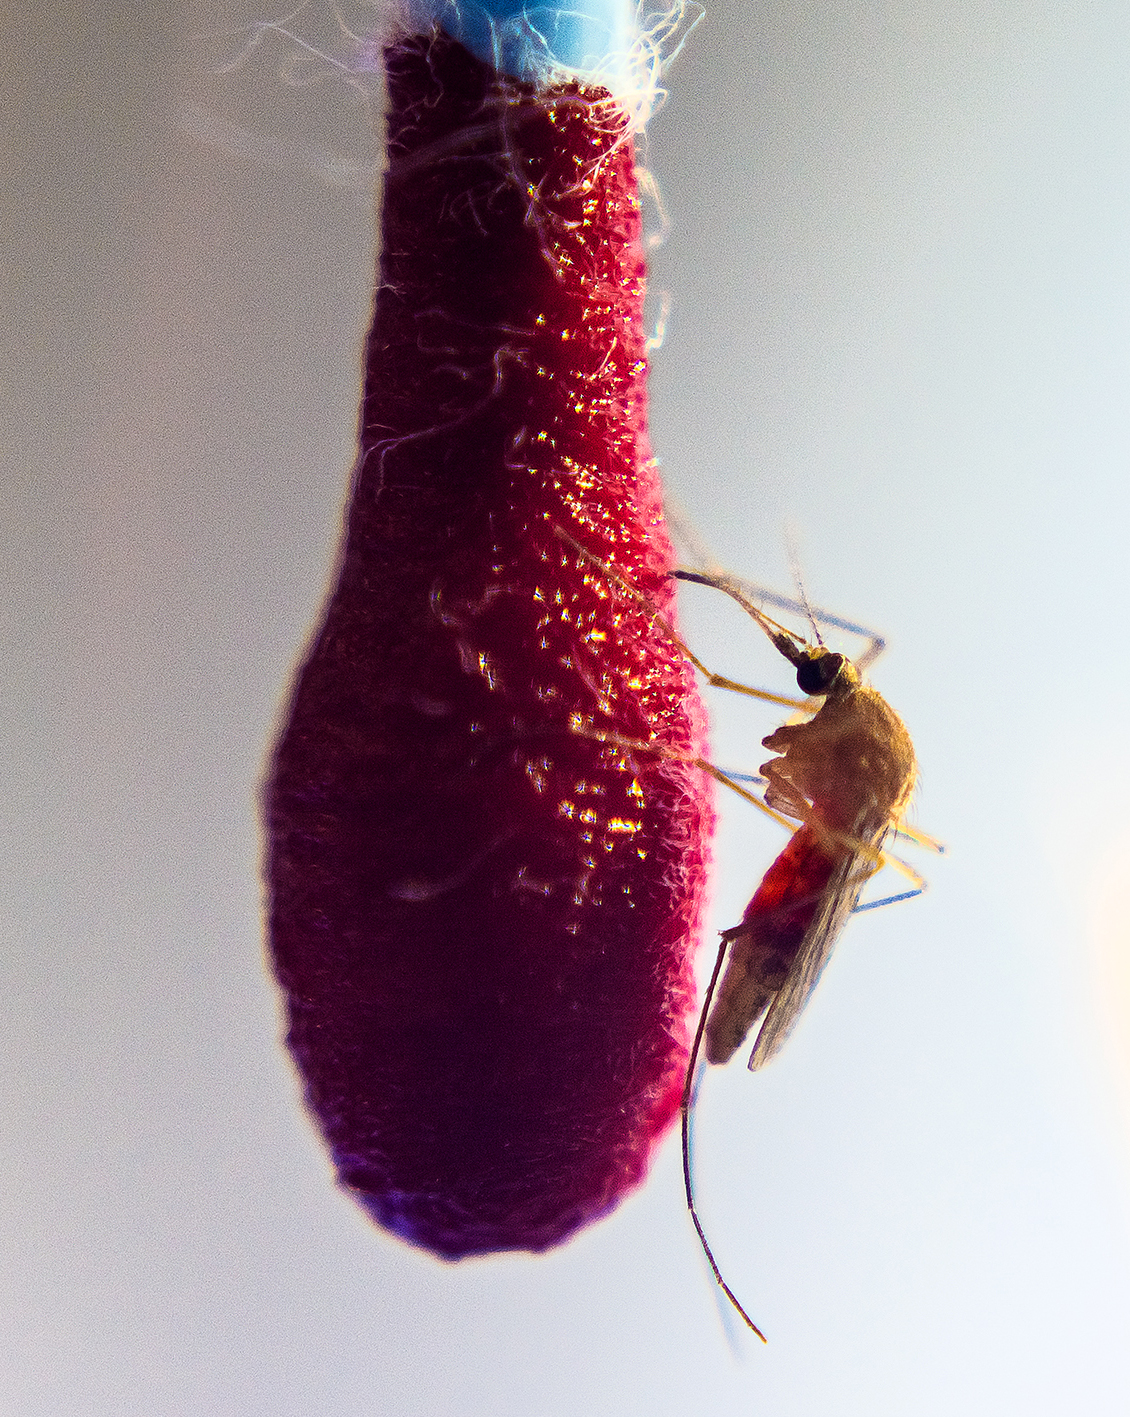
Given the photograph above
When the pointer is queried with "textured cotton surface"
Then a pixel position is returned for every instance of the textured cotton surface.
(483, 918)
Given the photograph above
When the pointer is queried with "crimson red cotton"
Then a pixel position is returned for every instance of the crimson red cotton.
(483, 921)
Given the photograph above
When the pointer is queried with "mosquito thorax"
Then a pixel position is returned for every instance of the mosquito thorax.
(823, 671)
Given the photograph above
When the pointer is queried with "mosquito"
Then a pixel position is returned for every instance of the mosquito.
(841, 781)
(846, 774)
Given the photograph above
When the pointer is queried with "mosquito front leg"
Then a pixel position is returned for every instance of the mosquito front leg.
(717, 681)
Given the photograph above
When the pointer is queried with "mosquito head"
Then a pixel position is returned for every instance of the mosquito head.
(822, 671)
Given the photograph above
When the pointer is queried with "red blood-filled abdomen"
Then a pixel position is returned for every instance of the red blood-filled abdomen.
(482, 919)
(792, 891)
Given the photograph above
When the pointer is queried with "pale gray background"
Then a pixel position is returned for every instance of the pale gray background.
(899, 268)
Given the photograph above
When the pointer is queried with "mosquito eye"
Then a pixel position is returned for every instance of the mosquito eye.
(817, 675)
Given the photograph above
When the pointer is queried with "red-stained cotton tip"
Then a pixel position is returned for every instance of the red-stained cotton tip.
(483, 919)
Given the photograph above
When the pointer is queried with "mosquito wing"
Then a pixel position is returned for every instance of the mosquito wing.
(840, 898)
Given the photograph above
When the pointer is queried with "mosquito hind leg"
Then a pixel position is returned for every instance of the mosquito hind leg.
(685, 1118)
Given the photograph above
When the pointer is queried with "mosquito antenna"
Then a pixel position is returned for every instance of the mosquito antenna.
(803, 594)
(685, 1111)
(798, 581)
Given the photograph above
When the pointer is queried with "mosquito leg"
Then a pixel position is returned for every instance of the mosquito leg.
(578, 726)
(887, 900)
(717, 681)
(904, 869)
(919, 838)
(878, 858)
(862, 877)
(685, 1113)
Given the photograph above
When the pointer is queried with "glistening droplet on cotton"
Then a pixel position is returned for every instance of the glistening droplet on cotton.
(483, 923)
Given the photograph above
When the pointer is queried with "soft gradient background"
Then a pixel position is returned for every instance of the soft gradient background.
(899, 270)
